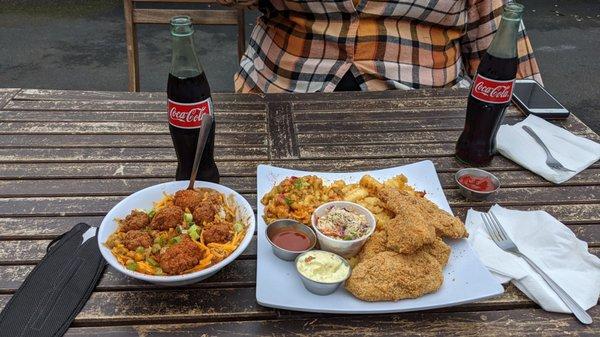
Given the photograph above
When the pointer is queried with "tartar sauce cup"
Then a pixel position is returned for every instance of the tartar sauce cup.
(281, 225)
(345, 248)
(322, 288)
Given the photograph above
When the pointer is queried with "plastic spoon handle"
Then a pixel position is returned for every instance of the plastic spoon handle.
(204, 130)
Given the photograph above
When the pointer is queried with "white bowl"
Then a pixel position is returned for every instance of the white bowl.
(345, 248)
(144, 200)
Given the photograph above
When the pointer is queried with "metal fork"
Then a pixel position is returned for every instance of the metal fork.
(499, 236)
(550, 160)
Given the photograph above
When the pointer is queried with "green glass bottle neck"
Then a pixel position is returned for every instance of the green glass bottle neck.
(504, 44)
(184, 62)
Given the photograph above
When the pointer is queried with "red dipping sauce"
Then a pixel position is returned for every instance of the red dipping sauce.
(480, 184)
(291, 240)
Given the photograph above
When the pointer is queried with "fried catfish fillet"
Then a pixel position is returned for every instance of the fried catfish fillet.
(439, 250)
(408, 232)
(389, 276)
(376, 244)
(445, 224)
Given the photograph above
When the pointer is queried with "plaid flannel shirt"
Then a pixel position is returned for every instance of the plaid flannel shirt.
(308, 45)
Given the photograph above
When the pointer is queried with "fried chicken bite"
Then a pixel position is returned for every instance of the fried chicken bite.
(135, 220)
(389, 276)
(205, 212)
(218, 232)
(137, 238)
(211, 196)
(180, 257)
(167, 217)
(189, 199)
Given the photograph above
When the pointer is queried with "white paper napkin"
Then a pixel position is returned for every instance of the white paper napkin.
(574, 152)
(551, 245)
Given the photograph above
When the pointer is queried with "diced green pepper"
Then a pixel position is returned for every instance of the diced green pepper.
(158, 271)
(288, 201)
(193, 232)
(140, 250)
(151, 213)
(151, 261)
(187, 217)
(132, 266)
(238, 227)
(175, 240)
(156, 248)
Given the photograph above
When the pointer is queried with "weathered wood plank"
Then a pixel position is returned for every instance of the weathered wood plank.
(119, 186)
(364, 109)
(66, 95)
(526, 178)
(115, 170)
(129, 169)
(161, 96)
(11, 128)
(519, 322)
(415, 124)
(20, 252)
(6, 94)
(66, 206)
(282, 138)
(373, 97)
(92, 154)
(173, 305)
(119, 105)
(442, 164)
(33, 228)
(400, 137)
(120, 116)
(124, 140)
(377, 151)
(334, 113)
(239, 273)
(571, 214)
(91, 187)
(531, 196)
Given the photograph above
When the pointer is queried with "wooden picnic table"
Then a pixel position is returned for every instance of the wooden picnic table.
(69, 156)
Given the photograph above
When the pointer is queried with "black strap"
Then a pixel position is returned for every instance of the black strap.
(56, 289)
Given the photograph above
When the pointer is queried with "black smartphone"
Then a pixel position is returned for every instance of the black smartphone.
(531, 98)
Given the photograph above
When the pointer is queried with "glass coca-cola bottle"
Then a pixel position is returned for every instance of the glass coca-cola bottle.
(189, 98)
(491, 91)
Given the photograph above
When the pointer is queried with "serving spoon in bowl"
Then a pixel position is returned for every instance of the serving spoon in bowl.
(207, 121)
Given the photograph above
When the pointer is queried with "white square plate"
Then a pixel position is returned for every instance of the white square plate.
(278, 285)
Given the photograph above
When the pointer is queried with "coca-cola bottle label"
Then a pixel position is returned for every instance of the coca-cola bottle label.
(188, 115)
(492, 91)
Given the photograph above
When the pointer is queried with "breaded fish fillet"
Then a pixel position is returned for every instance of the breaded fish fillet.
(445, 224)
(439, 250)
(408, 232)
(374, 245)
(389, 276)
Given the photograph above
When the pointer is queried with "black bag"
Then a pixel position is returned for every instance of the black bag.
(57, 288)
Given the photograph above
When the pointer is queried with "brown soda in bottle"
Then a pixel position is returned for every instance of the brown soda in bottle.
(189, 98)
(491, 91)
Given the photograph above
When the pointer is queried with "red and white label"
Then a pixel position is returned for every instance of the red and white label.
(188, 115)
(492, 91)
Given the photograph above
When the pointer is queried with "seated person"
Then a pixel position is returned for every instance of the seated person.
(312, 46)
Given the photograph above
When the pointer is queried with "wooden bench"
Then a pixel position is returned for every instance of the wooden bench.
(134, 16)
